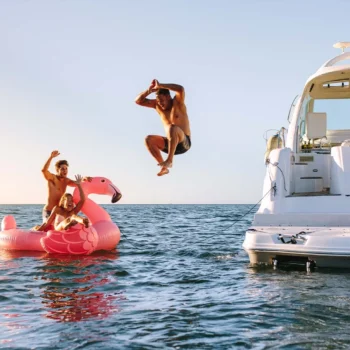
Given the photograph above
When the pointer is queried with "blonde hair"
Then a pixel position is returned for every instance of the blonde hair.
(63, 200)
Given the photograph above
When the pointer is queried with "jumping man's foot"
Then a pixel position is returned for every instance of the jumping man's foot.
(166, 164)
(163, 171)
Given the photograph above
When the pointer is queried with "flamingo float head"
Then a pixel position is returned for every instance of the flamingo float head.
(101, 185)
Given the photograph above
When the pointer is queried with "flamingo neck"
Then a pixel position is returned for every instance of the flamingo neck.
(92, 210)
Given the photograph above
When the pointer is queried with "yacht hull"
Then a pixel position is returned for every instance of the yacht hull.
(324, 247)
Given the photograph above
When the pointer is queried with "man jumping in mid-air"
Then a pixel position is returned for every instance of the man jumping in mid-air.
(174, 117)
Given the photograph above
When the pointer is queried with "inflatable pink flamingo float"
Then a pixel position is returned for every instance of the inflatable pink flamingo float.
(102, 233)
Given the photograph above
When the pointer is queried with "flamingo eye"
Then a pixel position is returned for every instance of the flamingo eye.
(103, 180)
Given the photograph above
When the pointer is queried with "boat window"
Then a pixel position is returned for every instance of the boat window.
(303, 111)
(336, 84)
(292, 107)
(342, 63)
(337, 110)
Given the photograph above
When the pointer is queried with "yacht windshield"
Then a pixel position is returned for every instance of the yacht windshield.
(324, 123)
(337, 111)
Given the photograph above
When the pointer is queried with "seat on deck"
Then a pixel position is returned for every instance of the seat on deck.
(316, 125)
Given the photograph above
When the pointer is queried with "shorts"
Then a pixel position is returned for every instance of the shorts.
(46, 214)
(181, 147)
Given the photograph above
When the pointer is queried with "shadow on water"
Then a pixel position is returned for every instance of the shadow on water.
(264, 268)
(300, 309)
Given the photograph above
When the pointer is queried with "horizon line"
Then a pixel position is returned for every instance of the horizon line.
(141, 204)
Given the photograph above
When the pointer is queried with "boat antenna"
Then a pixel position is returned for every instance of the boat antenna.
(342, 45)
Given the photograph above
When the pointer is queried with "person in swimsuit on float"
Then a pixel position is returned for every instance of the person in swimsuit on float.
(65, 214)
(56, 183)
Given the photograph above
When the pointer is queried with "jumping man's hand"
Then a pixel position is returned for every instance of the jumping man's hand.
(154, 85)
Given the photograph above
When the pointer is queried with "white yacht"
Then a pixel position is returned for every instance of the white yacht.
(304, 216)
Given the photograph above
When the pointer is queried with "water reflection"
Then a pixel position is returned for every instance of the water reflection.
(10, 256)
(71, 289)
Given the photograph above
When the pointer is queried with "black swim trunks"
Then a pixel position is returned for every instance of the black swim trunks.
(182, 147)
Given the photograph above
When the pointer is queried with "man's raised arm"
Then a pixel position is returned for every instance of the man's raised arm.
(143, 101)
(178, 89)
(45, 170)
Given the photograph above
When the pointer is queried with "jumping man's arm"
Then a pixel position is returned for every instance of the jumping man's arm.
(178, 89)
(143, 101)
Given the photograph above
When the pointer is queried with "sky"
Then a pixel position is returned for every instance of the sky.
(70, 71)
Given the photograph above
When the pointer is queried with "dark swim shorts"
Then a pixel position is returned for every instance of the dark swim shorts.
(46, 214)
(182, 147)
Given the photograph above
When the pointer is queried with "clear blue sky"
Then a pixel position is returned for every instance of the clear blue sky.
(70, 70)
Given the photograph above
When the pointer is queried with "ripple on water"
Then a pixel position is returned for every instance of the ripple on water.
(178, 279)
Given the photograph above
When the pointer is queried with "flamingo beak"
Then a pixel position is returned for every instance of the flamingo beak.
(116, 195)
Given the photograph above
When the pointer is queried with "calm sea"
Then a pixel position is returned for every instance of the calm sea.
(179, 279)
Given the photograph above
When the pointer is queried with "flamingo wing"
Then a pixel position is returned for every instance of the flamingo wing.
(76, 240)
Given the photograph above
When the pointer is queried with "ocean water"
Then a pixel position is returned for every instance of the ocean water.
(179, 279)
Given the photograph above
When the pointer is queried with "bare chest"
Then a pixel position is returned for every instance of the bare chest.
(57, 186)
(172, 116)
